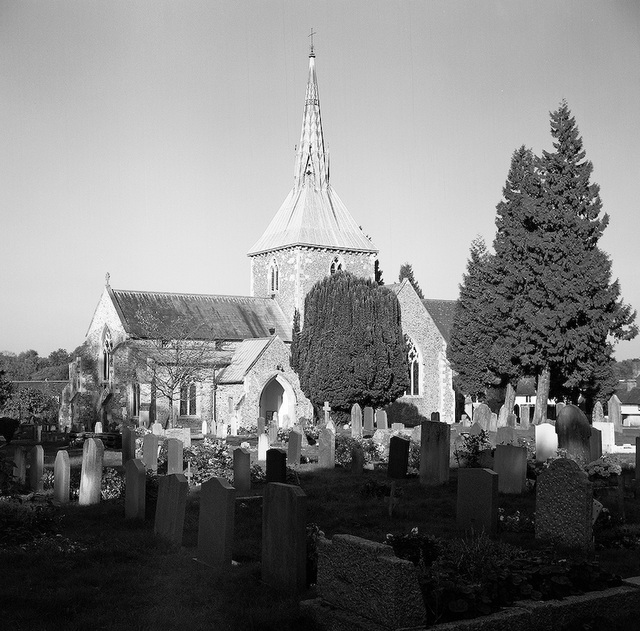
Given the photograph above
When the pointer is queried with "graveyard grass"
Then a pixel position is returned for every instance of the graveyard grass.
(114, 574)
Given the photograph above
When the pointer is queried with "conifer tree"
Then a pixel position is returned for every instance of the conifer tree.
(406, 271)
(377, 273)
(294, 360)
(351, 348)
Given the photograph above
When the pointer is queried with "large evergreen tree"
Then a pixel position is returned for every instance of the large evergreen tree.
(351, 348)
(406, 271)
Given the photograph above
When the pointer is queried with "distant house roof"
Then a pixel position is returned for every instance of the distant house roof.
(526, 387)
(204, 317)
(246, 355)
(631, 397)
(442, 313)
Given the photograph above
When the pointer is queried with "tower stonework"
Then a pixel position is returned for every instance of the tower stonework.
(313, 234)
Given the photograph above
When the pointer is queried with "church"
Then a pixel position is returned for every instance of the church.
(227, 357)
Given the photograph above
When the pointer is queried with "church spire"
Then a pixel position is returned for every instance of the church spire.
(312, 162)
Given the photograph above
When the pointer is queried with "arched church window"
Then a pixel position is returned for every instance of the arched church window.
(188, 399)
(413, 357)
(135, 399)
(107, 355)
(336, 265)
(274, 277)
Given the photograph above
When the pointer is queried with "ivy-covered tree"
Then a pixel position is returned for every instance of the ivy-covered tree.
(31, 405)
(406, 271)
(351, 348)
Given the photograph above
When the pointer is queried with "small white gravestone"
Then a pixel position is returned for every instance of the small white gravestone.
(98, 428)
(233, 425)
(204, 428)
(263, 445)
(608, 435)
(546, 442)
(156, 429)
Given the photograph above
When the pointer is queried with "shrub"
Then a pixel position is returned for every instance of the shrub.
(405, 413)
(22, 522)
(468, 454)
(344, 445)
(208, 459)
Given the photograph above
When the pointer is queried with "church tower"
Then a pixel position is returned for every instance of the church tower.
(313, 234)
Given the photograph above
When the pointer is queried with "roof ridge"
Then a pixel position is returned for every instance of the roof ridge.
(191, 295)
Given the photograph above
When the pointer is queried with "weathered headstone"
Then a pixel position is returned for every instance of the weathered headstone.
(493, 422)
(294, 448)
(397, 426)
(502, 417)
(233, 425)
(597, 416)
(398, 457)
(357, 459)
(465, 421)
(263, 445)
(175, 455)
(276, 465)
(559, 407)
(506, 436)
(511, 419)
(170, 509)
(275, 420)
(381, 419)
(510, 463)
(20, 465)
(221, 432)
(614, 407)
(595, 444)
(475, 429)
(91, 473)
(607, 436)
(204, 428)
(356, 421)
(128, 444)
(369, 426)
(546, 442)
(564, 505)
(156, 429)
(216, 521)
(327, 449)
(273, 433)
(284, 538)
(135, 490)
(260, 425)
(574, 433)
(477, 501)
(61, 477)
(525, 416)
(150, 452)
(143, 418)
(435, 417)
(434, 453)
(241, 470)
(98, 428)
(482, 416)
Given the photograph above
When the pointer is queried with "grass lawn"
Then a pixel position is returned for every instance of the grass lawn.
(113, 574)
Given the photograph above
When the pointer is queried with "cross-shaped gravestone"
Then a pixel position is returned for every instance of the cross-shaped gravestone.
(327, 412)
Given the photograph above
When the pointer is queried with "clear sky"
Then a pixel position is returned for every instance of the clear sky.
(154, 140)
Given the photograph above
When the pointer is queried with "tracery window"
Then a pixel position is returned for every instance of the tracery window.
(413, 357)
(337, 265)
(274, 276)
(188, 399)
(107, 355)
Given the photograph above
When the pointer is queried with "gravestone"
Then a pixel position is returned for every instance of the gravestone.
(331, 426)
(273, 433)
(263, 446)
(607, 436)
(150, 452)
(327, 449)
(260, 425)
(435, 417)
(276, 465)
(156, 429)
(284, 538)
(435, 442)
(91, 473)
(477, 501)
(367, 580)
(614, 408)
(574, 433)
(61, 477)
(564, 505)
(128, 444)
(216, 521)
(546, 442)
(381, 419)
(221, 430)
(204, 428)
(506, 436)
(20, 465)
(559, 407)
(465, 421)
(356, 421)
(275, 420)
(326, 408)
(172, 501)
(468, 407)
(357, 459)
(241, 470)
(143, 418)
(511, 419)
(398, 457)
(595, 444)
(482, 416)
(294, 448)
(525, 416)
(510, 463)
(175, 455)
(493, 422)
(369, 426)
(397, 426)
(135, 490)
(98, 428)
(597, 416)
(502, 417)
(233, 425)
(286, 421)
(475, 429)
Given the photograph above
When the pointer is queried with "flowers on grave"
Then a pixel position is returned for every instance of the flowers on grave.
(603, 468)
(209, 458)
(467, 452)
(515, 522)
(112, 486)
(247, 430)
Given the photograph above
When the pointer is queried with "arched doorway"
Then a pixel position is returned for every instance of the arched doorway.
(278, 397)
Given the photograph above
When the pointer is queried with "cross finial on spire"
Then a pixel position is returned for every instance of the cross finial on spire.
(107, 276)
(311, 53)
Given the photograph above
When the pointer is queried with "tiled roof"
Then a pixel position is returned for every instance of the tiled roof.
(442, 313)
(246, 355)
(631, 397)
(206, 317)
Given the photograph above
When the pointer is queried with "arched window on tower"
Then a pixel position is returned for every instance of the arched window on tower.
(107, 356)
(413, 357)
(274, 277)
(337, 265)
